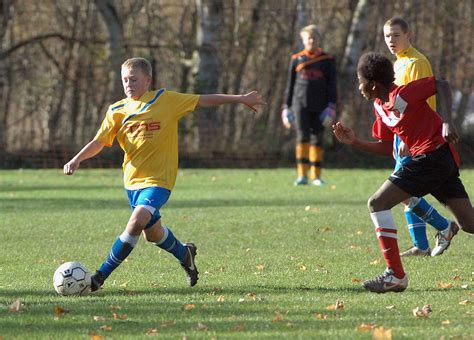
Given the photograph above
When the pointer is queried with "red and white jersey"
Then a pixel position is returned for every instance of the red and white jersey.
(407, 115)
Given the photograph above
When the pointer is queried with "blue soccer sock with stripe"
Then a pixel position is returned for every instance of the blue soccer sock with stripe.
(430, 215)
(172, 245)
(121, 248)
(417, 230)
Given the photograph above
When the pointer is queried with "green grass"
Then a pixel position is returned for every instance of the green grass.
(271, 256)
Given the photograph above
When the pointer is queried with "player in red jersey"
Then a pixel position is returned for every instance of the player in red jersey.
(433, 169)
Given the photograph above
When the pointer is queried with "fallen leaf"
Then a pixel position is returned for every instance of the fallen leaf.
(58, 311)
(464, 286)
(152, 331)
(380, 333)
(423, 312)
(119, 316)
(201, 327)
(106, 328)
(15, 306)
(366, 327)
(445, 322)
(95, 336)
(443, 285)
(456, 278)
(260, 266)
(375, 262)
(464, 302)
(356, 280)
(241, 300)
(289, 324)
(320, 316)
(115, 307)
(278, 317)
(333, 186)
(99, 318)
(216, 290)
(221, 298)
(390, 307)
(222, 269)
(307, 208)
(302, 267)
(238, 328)
(124, 285)
(189, 306)
(359, 232)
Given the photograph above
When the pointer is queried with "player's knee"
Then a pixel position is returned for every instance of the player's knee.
(375, 203)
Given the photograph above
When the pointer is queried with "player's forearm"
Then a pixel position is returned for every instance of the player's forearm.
(379, 148)
(89, 150)
(208, 100)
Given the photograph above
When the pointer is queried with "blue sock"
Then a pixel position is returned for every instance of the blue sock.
(172, 245)
(417, 229)
(430, 215)
(121, 248)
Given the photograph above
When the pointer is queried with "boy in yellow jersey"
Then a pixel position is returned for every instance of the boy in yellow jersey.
(412, 65)
(145, 125)
(311, 97)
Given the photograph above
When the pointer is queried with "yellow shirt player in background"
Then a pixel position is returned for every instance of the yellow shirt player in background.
(412, 65)
(145, 125)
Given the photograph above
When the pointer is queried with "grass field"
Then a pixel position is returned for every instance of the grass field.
(274, 260)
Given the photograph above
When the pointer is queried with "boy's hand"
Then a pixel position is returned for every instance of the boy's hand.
(71, 166)
(287, 117)
(450, 134)
(252, 99)
(343, 134)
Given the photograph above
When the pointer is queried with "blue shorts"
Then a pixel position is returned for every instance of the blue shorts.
(151, 198)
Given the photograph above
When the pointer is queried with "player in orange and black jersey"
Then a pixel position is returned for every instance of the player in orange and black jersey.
(311, 99)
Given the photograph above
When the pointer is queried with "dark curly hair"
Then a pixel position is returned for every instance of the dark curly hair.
(374, 66)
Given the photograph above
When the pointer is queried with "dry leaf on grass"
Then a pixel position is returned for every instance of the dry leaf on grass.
(95, 336)
(464, 302)
(338, 305)
(221, 298)
(375, 262)
(278, 317)
(152, 332)
(189, 306)
(201, 327)
(15, 306)
(380, 333)
(168, 323)
(99, 318)
(260, 266)
(119, 316)
(106, 328)
(302, 267)
(445, 322)
(443, 285)
(356, 280)
(320, 316)
(456, 278)
(390, 307)
(423, 312)
(366, 327)
(238, 328)
(59, 311)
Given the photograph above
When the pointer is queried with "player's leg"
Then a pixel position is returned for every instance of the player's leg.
(316, 154)
(302, 146)
(122, 246)
(417, 231)
(185, 253)
(463, 211)
(394, 278)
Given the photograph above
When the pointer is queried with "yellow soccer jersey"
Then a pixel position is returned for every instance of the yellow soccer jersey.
(147, 131)
(413, 65)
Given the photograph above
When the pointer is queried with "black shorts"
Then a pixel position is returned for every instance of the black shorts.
(434, 173)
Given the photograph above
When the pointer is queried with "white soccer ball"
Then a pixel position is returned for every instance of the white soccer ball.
(72, 278)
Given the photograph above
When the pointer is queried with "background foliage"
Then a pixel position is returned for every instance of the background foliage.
(60, 63)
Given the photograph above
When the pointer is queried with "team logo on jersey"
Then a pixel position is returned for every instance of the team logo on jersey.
(311, 74)
(142, 130)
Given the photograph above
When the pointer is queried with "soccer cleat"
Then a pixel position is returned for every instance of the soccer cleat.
(387, 282)
(444, 238)
(318, 182)
(189, 266)
(415, 251)
(97, 281)
(302, 180)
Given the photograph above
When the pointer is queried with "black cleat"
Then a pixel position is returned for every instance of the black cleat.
(189, 266)
(97, 280)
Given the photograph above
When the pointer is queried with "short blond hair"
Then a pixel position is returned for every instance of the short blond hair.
(138, 63)
(311, 30)
(398, 21)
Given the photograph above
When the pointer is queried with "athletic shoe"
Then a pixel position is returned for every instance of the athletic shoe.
(444, 238)
(302, 180)
(189, 266)
(387, 282)
(97, 281)
(318, 182)
(415, 251)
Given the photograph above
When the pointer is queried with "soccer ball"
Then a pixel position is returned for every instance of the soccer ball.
(72, 278)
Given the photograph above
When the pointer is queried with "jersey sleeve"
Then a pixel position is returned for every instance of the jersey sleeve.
(418, 90)
(291, 82)
(108, 129)
(381, 132)
(182, 103)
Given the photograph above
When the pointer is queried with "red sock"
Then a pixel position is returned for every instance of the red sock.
(389, 247)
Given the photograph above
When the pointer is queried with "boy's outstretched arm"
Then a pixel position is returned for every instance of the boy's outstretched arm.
(90, 150)
(347, 136)
(250, 99)
(444, 103)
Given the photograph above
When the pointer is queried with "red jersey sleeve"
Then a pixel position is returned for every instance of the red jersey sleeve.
(418, 90)
(381, 132)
